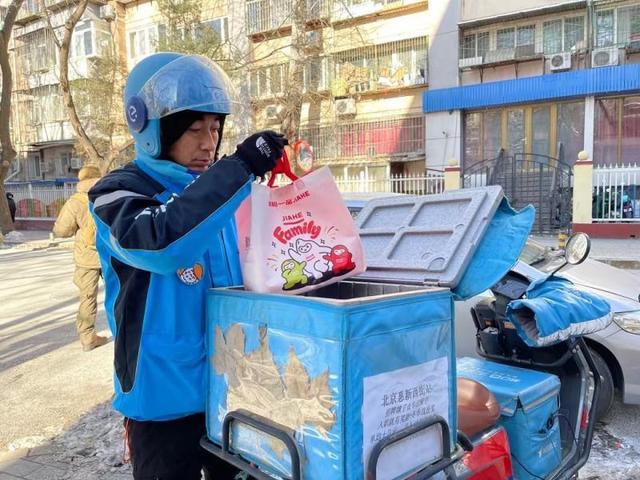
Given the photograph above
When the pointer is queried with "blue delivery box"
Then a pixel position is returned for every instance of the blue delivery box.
(529, 403)
(345, 367)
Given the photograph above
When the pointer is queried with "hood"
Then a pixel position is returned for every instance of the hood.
(604, 278)
(84, 186)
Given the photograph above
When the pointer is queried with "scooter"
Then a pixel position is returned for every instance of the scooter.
(497, 341)
(484, 452)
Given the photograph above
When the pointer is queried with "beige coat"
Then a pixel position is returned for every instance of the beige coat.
(75, 219)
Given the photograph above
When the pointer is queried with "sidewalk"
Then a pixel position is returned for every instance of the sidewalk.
(33, 240)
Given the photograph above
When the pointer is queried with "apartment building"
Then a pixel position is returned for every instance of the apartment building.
(43, 136)
(364, 68)
(539, 81)
(533, 75)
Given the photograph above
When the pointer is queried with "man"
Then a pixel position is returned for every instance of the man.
(166, 234)
(75, 219)
(12, 206)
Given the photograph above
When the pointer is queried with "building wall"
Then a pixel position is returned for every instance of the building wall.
(384, 104)
(481, 9)
(443, 129)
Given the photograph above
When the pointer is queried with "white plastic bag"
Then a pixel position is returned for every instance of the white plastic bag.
(297, 237)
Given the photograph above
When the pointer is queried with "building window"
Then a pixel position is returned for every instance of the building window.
(563, 35)
(268, 81)
(82, 40)
(629, 24)
(552, 37)
(219, 26)
(43, 105)
(36, 52)
(388, 65)
(570, 128)
(505, 38)
(605, 33)
(145, 41)
(617, 131)
(475, 45)
(532, 129)
(573, 32)
(315, 76)
(526, 41)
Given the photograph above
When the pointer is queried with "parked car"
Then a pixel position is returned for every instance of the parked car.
(616, 349)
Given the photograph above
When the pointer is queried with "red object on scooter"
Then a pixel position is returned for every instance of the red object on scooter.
(490, 458)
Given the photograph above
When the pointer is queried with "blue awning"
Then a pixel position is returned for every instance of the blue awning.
(578, 83)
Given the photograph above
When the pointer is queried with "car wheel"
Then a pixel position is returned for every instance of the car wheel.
(606, 386)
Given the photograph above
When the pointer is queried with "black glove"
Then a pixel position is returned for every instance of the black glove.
(261, 151)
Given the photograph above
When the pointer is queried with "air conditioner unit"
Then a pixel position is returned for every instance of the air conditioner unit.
(345, 106)
(560, 61)
(603, 57)
(469, 62)
(273, 112)
(107, 13)
(75, 162)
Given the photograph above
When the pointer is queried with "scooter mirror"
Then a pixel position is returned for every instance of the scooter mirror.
(577, 249)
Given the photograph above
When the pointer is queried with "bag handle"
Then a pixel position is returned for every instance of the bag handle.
(282, 167)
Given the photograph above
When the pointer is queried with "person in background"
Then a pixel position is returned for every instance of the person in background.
(12, 206)
(75, 219)
(166, 235)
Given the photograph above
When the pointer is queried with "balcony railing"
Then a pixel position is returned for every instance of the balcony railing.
(349, 9)
(367, 140)
(266, 15)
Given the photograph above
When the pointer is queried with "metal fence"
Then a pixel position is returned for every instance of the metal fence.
(616, 193)
(430, 183)
(34, 201)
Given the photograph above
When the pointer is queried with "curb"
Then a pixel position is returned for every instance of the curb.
(37, 244)
(620, 263)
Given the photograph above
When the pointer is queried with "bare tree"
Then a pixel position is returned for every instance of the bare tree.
(8, 154)
(103, 140)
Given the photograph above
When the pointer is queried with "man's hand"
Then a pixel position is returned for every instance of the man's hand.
(261, 151)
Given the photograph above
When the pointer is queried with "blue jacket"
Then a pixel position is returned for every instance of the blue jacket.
(161, 249)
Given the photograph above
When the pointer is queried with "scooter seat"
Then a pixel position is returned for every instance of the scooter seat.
(478, 408)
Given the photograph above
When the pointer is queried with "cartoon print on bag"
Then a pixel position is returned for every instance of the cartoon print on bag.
(313, 254)
(341, 260)
(293, 273)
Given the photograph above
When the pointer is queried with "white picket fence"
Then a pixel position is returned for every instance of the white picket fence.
(36, 201)
(616, 193)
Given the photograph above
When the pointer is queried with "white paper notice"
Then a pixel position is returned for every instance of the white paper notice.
(398, 399)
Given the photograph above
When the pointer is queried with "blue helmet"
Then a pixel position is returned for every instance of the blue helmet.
(166, 83)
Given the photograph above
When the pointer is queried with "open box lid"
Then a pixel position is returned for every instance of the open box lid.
(433, 239)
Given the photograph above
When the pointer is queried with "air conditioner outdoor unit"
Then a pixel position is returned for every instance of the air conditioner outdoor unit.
(560, 61)
(76, 162)
(272, 112)
(603, 57)
(107, 12)
(345, 106)
(469, 62)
